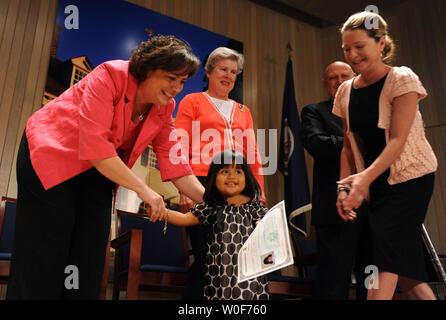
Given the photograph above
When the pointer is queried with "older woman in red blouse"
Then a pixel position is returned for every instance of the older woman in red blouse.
(76, 149)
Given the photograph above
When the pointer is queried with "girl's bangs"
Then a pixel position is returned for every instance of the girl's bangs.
(232, 165)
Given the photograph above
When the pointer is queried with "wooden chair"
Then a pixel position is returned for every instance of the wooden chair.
(145, 258)
(7, 224)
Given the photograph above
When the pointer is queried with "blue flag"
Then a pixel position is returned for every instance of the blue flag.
(291, 154)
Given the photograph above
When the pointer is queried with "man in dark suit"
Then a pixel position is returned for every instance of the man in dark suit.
(337, 241)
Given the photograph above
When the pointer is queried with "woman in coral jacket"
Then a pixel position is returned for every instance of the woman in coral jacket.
(208, 123)
(74, 152)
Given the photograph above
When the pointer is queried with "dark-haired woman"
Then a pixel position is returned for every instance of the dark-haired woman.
(74, 152)
(230, 210)
(386, 158)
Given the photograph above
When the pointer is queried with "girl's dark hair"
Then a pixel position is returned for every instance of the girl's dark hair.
(167, 53)
(225, 159)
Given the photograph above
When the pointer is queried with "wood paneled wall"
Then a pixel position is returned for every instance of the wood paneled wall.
(26, 29)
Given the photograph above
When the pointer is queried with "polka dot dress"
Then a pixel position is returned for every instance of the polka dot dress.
(230, 226)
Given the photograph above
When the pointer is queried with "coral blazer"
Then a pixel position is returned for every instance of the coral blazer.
(89, 121)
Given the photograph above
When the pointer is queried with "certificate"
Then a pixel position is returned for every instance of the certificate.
(268, 248)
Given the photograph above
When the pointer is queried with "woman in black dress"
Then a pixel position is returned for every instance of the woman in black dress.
(386, 158)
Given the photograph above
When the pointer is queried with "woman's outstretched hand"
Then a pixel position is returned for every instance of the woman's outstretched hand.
(155, 202)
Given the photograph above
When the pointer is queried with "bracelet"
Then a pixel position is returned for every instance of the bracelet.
(165, 221)
(344, 187)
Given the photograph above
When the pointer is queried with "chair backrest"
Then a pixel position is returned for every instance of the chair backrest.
(305, 210)
(157, 249)
(7, 224)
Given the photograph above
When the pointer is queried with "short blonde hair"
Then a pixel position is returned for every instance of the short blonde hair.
(224, 53)
(359, 20)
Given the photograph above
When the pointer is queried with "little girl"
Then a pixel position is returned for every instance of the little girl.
(230, 210)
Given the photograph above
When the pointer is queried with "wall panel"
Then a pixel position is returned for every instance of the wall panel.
(27, 29)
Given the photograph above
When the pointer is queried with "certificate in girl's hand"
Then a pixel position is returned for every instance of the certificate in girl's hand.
(268, 248)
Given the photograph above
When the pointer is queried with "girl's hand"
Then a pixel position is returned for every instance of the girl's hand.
(358, 192)
(156, 203)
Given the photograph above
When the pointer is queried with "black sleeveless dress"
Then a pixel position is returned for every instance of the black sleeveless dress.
(396, 211)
